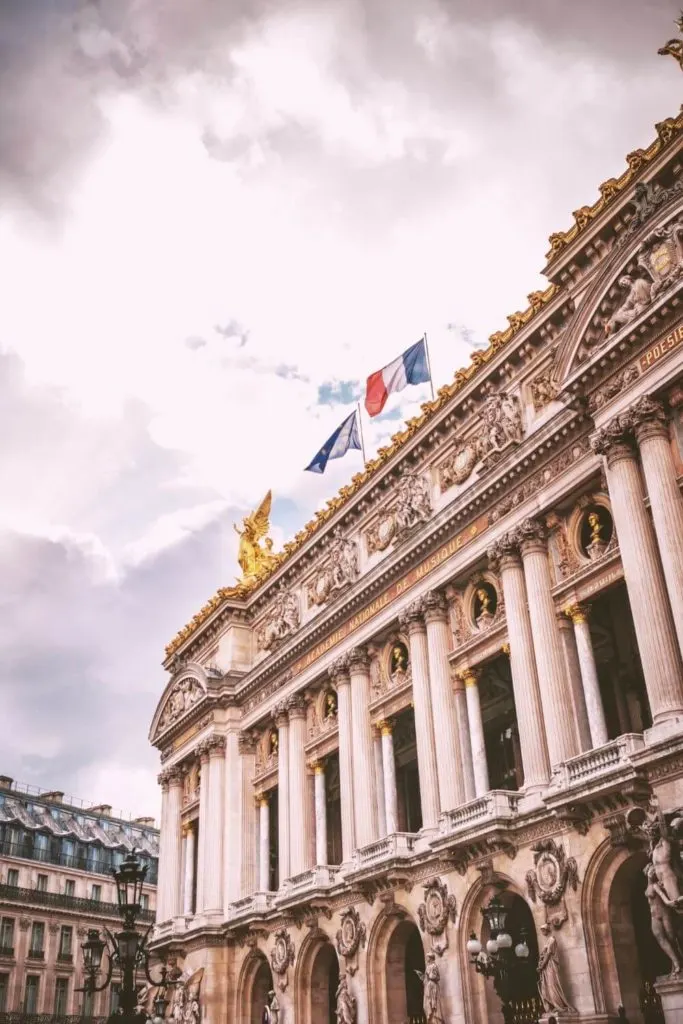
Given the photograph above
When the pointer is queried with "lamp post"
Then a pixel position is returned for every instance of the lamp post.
(500, 959)
(127, 950)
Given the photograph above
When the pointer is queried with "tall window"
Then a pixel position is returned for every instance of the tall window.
(65, 941)
(144, 901)
(41, 883)
(4, 987)
(7, 933)
(61, 996)
(31, 993)
(37, 938)
(70, 887)
(13, 877)
(96, 893)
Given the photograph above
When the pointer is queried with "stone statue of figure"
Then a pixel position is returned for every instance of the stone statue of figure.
(431, 999)
(253, 559)
(665, 859)
(662, 920)
(549, 984)
(399, 660)
(484, 598)
(636, 302)
(271, 1011)
(331, 704)
(346, 1003)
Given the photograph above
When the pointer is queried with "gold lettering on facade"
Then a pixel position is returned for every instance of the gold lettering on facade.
(661, 348)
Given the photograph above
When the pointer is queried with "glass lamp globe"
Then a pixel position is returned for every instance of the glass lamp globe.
(492, 947)
(522, 950)
(504, 940)
(473, 945)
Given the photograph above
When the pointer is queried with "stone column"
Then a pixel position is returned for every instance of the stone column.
(202, 752)
(318, 769)
(527, 695)
(446, 735)
(379, 781)
(188, 854)
(666, 503)
(281, 719)
(339, 673)
(213, 848)
(560, 728)
(299, 820)
(389, 773)
(248, 880)
(364, 787)
(460, 699)
(657, 642)
(263, 842)
(573, 670)
(470, 678)
(589, 674)
(413, 620)
(161, 908)
(173, 847)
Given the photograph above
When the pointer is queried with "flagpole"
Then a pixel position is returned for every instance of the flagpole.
(429, 365)
(360, 427)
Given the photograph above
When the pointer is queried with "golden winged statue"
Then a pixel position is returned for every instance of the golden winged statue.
(254, 559)
(674, 48)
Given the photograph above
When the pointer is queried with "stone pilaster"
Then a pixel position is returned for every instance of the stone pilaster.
(561, 735)
(203, 755)
(589, 674)
(281, 720)
(470, 678)
(652, 433)
(299, 820)
(364, 787)
(505, 554)
(248, 879)
(339, 673)
(379, 782)
(212, 864)
(413, 620)
(172, 898)
(263, 842)
(389, 773)
(318, 768)
(574, 678)
(446, 736)
(188, 861)
(652, 620)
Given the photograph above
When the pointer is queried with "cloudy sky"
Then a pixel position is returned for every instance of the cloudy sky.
(216, 218)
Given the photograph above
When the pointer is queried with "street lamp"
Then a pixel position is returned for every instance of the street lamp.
(499, 959)
(126, 950)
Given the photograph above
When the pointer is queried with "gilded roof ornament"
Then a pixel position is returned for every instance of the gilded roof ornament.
(674, 48)
(256, 561)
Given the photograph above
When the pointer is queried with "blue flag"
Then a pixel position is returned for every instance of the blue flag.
(347, 435)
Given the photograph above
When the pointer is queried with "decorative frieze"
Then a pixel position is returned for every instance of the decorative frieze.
(182, 698)
(282, 622)
(543, 390)
(411, 506)
(337, 572)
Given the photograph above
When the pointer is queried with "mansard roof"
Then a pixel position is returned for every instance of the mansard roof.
(540, 302)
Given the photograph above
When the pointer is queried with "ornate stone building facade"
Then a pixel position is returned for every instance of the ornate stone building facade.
(55, 883)
(463, 677)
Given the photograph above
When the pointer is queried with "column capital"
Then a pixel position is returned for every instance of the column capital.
(435, 607)
(359, 659)
(280, 714)
(216, 746)
(531, 535)
(386, 727)
(246, 743)
(614, 440)
(504, 553)
(171, 777)
(317, 767)
(470, 676)
(261, 799)
(296, 706)
(412, 617)
(339, 671)
(505, 649)
(186, 829)
(649, 419)
(578, 613)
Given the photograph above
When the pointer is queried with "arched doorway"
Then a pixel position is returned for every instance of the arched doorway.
(404, 958)
(639, 960)
(261, 986)
(324, 984)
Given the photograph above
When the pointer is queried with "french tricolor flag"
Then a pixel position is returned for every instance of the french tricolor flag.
(410, 368)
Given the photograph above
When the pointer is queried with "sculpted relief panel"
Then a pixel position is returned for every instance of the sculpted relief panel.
(337, 572)
(500, 428)
(183, 696)
(281, 623)
(411, 506)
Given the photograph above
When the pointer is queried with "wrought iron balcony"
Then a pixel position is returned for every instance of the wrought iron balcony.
(36, 954)
(57, 899)
(7, 951)
(65, 958)
(66, 860)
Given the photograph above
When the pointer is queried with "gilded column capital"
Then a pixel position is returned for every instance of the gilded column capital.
(386, 727)
(359, 659)
(578, 613)
(296, 706)
(280, 714)
(505, 649)
(317, 767)
(412, 617)
(469, 676)
(531, 535)
(261, 799)
(614, 440)
(246, 743)
(339, 671)
(435, 607)
(648, 418)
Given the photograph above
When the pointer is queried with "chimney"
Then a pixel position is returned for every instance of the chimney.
(55, 797)
(104, 809)
(6, 782)
(148, 822)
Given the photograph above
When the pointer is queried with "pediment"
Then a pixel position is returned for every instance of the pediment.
(180, 698)
(637, 275)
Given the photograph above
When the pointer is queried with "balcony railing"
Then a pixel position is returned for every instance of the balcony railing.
(600, 761)
(497, 804)
(7, 951)
(66, 860)
(58, 899)
(257, 903)
(65, 958)
(399, 845)
(47, 1018)
(36, 954)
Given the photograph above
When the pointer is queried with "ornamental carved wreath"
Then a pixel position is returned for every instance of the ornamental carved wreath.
(282, 956)
(351, 936)
(553, 872)
(439, 907)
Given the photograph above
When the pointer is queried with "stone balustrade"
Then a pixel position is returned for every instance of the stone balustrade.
(256, 903)
(494, 805)
(593, 764)
(398, 846)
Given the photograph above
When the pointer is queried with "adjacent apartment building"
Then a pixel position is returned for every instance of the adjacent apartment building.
(56, 857)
